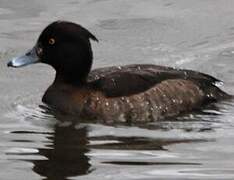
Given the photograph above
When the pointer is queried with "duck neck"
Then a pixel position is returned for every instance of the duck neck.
(72, 75)
(61, 79)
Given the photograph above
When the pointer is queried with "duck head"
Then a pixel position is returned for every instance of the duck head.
(66, 47)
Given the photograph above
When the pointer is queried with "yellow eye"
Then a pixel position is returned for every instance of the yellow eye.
(51, 41)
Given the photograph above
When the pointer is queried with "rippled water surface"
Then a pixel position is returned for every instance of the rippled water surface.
(194, 34)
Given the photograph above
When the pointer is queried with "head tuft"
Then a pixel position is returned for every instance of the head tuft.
(67, 28)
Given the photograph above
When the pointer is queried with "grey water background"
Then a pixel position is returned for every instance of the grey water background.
(194, 34)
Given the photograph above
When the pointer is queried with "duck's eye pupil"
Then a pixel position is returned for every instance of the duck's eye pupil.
(51, 41)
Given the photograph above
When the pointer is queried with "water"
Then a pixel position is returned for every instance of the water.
(194, 34)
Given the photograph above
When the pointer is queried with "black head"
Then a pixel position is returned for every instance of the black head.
(66, 47)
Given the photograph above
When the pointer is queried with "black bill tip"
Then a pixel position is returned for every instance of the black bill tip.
(10, 64)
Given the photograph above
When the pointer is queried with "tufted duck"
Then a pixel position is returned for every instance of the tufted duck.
(132, 93)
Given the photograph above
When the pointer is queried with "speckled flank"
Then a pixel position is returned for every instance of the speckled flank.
(166, 99)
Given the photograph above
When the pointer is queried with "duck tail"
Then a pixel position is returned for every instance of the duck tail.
(216, 94)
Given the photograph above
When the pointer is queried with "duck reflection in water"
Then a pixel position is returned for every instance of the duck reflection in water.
(65, 156)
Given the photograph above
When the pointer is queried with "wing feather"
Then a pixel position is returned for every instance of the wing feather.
(132, 79)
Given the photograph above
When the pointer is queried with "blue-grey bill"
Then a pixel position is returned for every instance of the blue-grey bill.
(29, 58)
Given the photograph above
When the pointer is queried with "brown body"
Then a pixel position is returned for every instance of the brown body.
(167, 98)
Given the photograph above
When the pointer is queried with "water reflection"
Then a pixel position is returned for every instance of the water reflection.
(63, 154)
(70, 145)
(66, 156)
